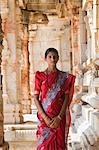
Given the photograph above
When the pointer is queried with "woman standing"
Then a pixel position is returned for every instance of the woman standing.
(53, 94)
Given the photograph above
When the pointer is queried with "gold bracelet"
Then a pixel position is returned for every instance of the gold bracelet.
(59, 117)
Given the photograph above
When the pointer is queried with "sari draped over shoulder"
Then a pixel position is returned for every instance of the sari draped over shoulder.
(59, 83)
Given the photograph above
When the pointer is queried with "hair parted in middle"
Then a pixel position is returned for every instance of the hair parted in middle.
(51, 50)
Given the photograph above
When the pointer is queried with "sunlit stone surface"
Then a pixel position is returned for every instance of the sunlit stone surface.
(29, 28)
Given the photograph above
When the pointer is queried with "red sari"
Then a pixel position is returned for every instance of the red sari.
(52, 100)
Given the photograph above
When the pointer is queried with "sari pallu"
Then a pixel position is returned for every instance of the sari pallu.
(52, 101)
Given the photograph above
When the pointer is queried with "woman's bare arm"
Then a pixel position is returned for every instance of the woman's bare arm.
(56, 120)
(41, 110)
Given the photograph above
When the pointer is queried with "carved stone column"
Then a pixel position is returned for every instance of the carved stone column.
(32, 34)
(10, 64)
(74, 39)
(95, 31)
(25, 88)
(83, 38)
(88, 22)
(3, 145)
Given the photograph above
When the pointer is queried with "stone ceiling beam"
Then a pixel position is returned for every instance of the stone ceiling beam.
(37, 5)
(62, 8)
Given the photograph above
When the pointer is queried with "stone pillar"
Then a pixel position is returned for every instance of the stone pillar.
(3, 145)
(74, 40)
(10, 65)
(95, 31)
(32, 34)
(83, 38)
(25, 89)
(89, 36)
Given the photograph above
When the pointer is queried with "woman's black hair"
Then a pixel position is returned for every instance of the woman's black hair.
(51, 50)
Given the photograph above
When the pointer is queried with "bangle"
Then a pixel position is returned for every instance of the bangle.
(59, 117)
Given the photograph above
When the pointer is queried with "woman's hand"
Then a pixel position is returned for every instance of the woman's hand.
(47, 121)
(54, 123)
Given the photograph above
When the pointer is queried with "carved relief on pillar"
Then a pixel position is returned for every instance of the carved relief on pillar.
(83, 37)
(79, 75)
(75, 41)
(10, 66)
(89, 25)
(96, 30)
(91, 80)
(89, 96)
(88, 50)
(9, 63)
(33, 28)
(25, 88)
(3, 145)
(89, 10)
(75, 32)
(73, 8)
(5, 52)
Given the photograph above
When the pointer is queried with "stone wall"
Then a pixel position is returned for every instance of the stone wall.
(86, 98)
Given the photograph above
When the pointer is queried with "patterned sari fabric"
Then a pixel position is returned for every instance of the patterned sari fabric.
(52, 100)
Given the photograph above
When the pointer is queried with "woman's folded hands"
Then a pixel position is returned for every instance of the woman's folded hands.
(52, 123)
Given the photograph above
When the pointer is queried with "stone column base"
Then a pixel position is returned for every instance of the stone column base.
(5, 146)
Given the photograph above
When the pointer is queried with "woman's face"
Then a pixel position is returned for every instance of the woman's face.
(52, 58)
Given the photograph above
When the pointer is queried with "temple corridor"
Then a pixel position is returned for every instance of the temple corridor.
(27, 29)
